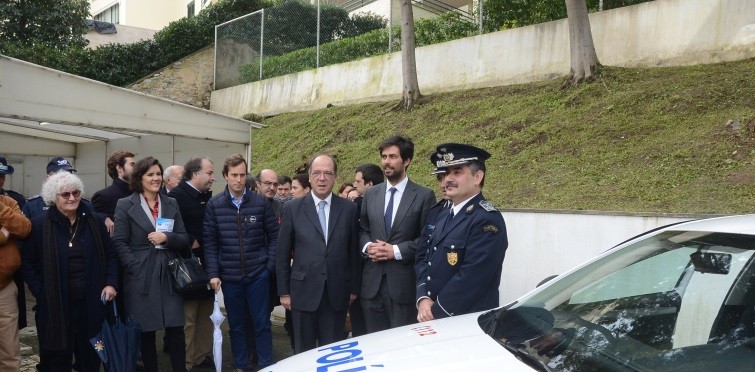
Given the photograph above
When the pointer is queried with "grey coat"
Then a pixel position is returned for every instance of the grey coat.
(149, 294)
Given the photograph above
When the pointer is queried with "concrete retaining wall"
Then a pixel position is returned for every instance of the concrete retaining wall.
(658, 33)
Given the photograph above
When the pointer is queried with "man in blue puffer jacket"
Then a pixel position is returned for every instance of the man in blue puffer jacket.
(240, 236)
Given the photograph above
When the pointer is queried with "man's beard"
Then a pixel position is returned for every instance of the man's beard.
(395, 176)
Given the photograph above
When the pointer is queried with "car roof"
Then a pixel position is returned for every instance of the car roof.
(742, 224)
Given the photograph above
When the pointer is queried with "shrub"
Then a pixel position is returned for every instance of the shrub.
(448, 26)
(122, 64)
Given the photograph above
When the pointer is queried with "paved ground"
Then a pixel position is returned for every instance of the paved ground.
(281, 344)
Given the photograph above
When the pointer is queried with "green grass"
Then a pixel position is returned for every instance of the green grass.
(636, 140)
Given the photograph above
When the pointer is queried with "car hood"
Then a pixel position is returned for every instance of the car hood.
(451, 344)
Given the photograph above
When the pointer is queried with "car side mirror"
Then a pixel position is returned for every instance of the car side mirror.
(713, 263)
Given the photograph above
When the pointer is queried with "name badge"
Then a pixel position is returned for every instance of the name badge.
(164, 224)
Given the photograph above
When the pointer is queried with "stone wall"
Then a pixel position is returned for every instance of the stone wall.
(187, 81)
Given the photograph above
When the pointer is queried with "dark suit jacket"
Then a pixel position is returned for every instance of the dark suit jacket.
(410, 219)
(191, 204)
(104, 201)
(316, 265)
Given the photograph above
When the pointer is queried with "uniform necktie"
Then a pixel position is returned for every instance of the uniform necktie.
(389, 213)
(321, 215)
(452, 213)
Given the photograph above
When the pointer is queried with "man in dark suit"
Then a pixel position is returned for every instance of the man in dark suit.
(192, 194)
(119, 167)
(392, 216)
(365, 176)
(323, 278)
(460, 270)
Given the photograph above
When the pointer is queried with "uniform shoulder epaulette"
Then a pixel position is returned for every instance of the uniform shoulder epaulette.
(486, 205)
(35, 197)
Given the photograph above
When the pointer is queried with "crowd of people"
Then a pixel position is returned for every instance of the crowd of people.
(378, 254)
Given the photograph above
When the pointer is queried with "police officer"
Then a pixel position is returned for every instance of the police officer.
(461, 269)
(36, 205)
(8, 169)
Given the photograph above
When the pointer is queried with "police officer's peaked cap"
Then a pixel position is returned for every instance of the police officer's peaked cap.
(4, 167)
(59, 164)
(433, 159)
(453, 154)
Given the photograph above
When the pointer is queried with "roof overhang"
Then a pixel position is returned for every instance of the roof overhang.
(41, 102)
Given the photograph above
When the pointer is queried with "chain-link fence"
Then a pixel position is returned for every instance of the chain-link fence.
(295, 36)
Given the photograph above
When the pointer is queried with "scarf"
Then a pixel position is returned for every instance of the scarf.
(56, 336)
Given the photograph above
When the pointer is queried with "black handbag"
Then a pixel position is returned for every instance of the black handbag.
(188, 274)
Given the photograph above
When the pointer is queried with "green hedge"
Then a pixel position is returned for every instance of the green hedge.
(447, 27)
(122, 64)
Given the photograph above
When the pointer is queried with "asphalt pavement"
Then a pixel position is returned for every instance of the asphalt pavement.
(281, 343)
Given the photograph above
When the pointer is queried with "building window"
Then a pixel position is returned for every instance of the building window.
(190, 9)
(111, 14)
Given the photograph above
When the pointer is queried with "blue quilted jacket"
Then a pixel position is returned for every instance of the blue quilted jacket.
(239, 242)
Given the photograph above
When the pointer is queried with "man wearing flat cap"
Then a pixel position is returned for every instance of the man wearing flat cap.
(461, 268)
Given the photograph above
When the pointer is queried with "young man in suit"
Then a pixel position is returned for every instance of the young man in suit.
(323, 278)
(391, 219)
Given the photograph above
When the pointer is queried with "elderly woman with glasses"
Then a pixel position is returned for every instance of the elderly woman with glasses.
(71, 268)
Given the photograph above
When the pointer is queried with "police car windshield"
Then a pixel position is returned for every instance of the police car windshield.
(675, 300)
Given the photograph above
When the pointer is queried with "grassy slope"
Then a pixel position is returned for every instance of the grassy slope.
(638, 140)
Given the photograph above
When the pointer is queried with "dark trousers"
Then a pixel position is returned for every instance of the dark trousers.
(176, 347)
(324, 325)
(381, 312)
(62, 360)
(250, 295)
(289, 327)
(356, 315)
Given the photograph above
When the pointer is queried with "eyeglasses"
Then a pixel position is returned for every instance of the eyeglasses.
(327, 174)
(268, 183)
(67, 194)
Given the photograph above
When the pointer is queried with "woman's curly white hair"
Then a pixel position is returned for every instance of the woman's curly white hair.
(57, 183)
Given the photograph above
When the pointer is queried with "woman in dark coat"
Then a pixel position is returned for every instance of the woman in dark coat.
(71, 268)
(148, 233)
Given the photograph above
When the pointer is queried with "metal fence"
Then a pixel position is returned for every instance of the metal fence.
(289, 37)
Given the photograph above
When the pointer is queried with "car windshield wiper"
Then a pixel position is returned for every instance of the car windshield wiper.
(526, 357)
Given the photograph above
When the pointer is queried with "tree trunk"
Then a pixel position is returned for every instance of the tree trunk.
(584, 60)
(411, 92)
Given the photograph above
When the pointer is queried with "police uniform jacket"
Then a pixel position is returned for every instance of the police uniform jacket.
(463, 260)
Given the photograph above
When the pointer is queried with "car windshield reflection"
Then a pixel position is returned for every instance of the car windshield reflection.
(678, 300)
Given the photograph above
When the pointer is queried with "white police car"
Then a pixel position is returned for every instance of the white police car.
(676, 298)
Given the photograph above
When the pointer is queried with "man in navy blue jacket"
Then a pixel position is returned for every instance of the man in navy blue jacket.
(240, 237)
(460, 270)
